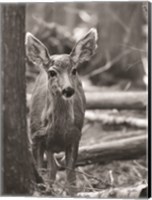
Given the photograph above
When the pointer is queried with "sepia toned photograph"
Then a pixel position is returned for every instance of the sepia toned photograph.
(74, 99)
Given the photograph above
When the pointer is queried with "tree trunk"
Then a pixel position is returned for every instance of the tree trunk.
(17, 169)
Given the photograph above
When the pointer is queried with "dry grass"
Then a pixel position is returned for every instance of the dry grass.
(96, 177)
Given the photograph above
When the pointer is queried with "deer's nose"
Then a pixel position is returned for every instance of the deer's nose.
(68, 92)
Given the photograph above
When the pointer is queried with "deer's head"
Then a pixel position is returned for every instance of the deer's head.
(61, 69)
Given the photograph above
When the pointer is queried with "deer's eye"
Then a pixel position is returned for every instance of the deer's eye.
(74, 71)
(52, 73)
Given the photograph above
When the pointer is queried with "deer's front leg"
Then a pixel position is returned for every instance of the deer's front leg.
(38, 147)
(38, 152)
(51, 167)
(71, 157)
(71, 154)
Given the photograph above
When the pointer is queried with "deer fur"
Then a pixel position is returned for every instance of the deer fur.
(58, 103)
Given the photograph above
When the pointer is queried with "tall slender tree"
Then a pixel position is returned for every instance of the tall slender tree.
(17, 173)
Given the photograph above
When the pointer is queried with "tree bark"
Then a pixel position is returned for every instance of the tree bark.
(17, 174)
(116, 100)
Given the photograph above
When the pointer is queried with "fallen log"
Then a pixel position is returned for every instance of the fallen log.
(113, 100)
(116, 100)
(118, 136)
(121, 192)
(121, 149)
(105, 119)
(128, 148)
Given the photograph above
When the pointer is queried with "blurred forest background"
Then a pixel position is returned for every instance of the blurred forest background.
(121, 58)
(114, 138)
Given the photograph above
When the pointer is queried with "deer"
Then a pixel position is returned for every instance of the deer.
(58, 104)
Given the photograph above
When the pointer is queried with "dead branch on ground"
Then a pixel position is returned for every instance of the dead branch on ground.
(105, 119)
(124, 192)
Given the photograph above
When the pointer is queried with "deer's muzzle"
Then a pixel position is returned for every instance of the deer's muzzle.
(68, 92)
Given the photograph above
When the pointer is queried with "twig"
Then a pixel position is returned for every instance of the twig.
(111, 177)
(133, 64)
(132, 47)
(139, 165)
(86, 179)
(61, 186)
(137, 172)
(118, 20)
(108, 65)
(90, 176)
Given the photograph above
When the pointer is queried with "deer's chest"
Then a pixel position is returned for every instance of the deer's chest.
(59, 127)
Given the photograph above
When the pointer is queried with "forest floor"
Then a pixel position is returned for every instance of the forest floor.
(103, 176)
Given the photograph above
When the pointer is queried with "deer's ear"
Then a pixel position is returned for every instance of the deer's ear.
(85, 47)
(36, 51)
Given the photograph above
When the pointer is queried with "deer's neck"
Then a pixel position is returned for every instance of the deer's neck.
(59, 111)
